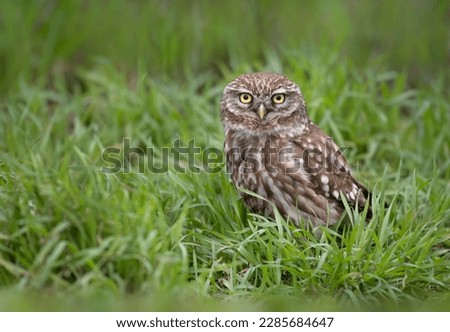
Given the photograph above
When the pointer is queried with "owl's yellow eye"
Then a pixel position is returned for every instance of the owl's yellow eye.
(245, 98)
(278, 98)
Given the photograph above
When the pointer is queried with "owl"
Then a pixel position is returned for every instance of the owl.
(275, 151)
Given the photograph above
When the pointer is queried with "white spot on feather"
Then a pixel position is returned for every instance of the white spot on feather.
(335, 194)
(352, 195)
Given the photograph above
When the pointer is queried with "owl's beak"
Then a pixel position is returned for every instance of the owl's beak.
(261, 111)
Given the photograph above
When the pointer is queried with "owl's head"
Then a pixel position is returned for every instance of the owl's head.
(263, 103)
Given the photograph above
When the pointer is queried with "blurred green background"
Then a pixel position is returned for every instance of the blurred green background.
(79, 76)
(41, 40)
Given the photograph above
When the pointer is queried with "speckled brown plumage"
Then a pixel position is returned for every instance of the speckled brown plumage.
(274, 150)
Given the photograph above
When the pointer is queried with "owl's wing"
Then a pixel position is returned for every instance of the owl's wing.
(327, 169)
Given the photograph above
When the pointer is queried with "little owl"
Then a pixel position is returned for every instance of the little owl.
(274, 150)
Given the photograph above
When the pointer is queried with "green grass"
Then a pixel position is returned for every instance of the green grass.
(77, 80)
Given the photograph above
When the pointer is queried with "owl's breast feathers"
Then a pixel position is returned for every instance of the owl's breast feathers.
(303, 175)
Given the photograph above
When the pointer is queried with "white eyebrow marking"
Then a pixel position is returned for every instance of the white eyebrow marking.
(240, 90)
(279, 90)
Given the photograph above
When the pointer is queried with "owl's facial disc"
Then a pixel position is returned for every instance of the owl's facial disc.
(263, 104)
